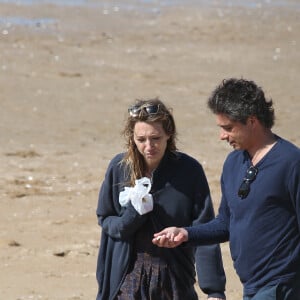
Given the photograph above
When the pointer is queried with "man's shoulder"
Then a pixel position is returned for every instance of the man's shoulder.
(286, 145)
(234, 156)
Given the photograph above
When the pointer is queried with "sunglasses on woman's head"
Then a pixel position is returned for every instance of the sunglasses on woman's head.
(245, 186)
(148, 109)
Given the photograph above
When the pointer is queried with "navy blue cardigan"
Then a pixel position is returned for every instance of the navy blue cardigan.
(181, 198)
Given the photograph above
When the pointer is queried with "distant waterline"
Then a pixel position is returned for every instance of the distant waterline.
(147, 6)
(155, 3)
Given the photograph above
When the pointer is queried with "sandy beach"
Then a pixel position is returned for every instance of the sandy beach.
(67, 75)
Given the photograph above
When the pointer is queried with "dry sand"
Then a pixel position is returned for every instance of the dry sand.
(65, 85)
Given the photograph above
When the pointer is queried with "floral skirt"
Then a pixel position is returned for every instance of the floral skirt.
(152, 279)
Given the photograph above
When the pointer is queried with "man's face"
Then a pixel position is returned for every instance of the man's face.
(237, 134)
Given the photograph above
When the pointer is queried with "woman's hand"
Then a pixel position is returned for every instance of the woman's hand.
(170, 237)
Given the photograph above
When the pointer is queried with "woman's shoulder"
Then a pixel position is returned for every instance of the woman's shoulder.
(187, 159)
(118, 157)
(116, 161)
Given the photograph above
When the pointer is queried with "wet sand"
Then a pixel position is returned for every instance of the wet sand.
(66, 80)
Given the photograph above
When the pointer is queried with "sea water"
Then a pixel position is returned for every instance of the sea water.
(137, 3)
(148, 6)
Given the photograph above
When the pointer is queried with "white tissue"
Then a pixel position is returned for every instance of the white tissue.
(139, 196)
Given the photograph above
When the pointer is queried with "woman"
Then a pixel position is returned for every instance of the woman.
(129, 265)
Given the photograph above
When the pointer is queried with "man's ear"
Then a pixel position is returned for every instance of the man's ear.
(252, 120)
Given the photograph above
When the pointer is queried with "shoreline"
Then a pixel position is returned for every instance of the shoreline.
(17, 16)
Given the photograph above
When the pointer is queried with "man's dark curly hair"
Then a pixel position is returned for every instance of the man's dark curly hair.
(239, 99)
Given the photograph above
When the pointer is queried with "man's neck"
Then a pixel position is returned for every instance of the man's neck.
(267, 141)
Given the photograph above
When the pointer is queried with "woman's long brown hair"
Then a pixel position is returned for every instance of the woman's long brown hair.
(133, 160)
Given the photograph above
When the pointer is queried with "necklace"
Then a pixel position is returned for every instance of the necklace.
(259, 154)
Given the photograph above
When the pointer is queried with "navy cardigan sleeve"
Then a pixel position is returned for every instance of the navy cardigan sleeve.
(116, 221)
(211, 275)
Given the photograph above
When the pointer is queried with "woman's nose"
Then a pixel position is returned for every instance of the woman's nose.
(149, 143)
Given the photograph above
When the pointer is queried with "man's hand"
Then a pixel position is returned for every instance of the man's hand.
(170, 237)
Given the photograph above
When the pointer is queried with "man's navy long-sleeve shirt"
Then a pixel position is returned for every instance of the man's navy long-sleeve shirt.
(264, 228)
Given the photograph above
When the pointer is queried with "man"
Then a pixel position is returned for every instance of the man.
(259, 212)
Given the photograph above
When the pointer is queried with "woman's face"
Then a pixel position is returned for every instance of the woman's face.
(151, 141)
